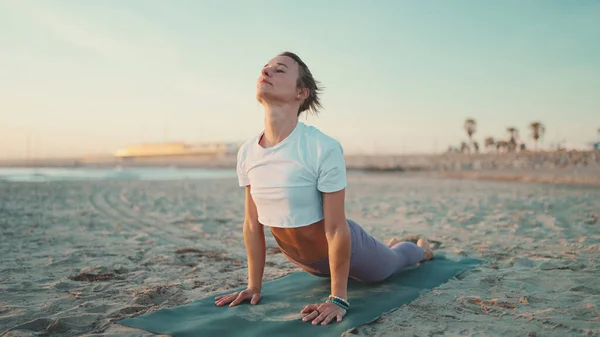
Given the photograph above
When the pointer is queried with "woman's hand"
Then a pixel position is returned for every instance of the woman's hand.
(323, 313)
(238, 297)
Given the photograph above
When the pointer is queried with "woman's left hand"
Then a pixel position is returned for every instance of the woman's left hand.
(323, 313)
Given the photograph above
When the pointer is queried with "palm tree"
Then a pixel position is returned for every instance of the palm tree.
(514, 135)
(537, 130)
(470, 127)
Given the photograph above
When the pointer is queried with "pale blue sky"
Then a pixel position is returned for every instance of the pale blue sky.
(91, 76)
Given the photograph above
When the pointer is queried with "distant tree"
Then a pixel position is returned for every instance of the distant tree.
(470, 127)
(522, 147)
(489, 142)
(476, 146)
(514, 136)
(537, 130)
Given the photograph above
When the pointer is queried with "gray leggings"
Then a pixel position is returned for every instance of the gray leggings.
(371, 260)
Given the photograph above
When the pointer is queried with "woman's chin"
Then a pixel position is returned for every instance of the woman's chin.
(266, 95)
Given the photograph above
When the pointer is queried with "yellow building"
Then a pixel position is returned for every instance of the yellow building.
(175, 149)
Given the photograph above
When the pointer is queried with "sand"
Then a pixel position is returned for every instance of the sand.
(76, 256)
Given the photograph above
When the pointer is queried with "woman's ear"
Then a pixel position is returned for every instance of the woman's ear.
(303, 94)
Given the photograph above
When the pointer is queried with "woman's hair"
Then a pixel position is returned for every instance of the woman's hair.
(306, 80)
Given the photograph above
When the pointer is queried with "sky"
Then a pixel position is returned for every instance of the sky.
(89, 77)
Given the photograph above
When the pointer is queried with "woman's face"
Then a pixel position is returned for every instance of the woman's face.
(278, 80)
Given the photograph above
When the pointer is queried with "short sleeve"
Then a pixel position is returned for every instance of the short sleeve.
(332, 170)
(241, 168)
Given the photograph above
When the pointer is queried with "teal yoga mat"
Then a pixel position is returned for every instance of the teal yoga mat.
(278, 313)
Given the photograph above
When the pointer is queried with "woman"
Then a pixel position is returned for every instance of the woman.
(295, 180)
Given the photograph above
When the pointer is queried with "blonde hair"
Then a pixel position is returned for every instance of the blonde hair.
(306, 80)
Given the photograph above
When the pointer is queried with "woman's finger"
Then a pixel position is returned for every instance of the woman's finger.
(339, 317)
(309, 308)
(223, 296)
(225, 300)
(311, 316)
(221, 299)
(239, 299)
(323, 312)
(255, 299)
(329, 318)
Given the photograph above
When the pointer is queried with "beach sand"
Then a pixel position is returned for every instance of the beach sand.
(76, 256)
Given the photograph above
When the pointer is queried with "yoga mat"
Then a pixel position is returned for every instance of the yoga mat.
(278, 313)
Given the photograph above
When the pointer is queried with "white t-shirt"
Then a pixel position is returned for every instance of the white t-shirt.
(286, 180)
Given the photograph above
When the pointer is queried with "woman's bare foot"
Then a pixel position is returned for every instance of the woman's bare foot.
(428, 252)
(392, 242)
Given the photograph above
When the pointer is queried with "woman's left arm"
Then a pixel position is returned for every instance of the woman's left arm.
(332, 183)
(339, 241)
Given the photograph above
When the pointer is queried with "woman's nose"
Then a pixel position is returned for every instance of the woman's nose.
(266, 71)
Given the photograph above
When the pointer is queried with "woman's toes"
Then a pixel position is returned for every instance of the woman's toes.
(392, 242)
(423, 243)
(428, 253)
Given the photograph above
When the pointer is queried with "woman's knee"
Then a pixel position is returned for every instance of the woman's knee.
(371, 271)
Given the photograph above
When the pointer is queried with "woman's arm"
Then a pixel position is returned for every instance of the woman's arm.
(339, 241)
(254, 239)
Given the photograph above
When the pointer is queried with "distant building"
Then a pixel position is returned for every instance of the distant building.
(176, 149)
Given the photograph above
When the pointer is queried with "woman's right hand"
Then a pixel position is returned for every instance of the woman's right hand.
(238, 297)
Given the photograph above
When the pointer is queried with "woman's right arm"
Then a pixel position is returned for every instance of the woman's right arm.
(254, 240)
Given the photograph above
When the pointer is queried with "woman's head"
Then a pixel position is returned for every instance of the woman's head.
(286, 79)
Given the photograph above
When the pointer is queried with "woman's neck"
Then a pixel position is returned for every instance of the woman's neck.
(279, 123)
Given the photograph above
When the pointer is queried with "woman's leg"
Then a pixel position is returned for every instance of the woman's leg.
(373, 261)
